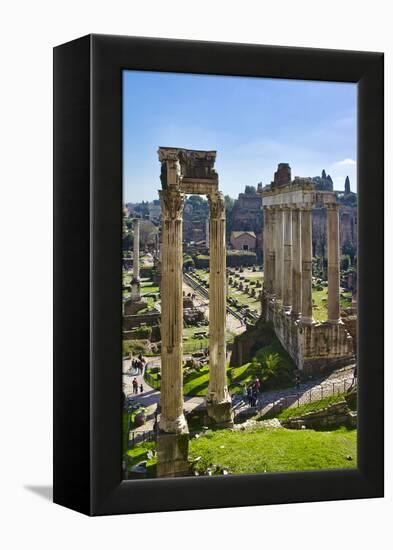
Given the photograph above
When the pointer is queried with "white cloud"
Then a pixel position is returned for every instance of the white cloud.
(345, 162)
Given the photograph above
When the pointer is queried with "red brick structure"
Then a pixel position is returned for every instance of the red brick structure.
(283, 175)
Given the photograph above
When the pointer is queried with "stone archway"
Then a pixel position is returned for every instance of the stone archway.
(185, 171)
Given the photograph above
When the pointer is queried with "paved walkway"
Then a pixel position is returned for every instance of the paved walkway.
(150, 397)
(337, 382)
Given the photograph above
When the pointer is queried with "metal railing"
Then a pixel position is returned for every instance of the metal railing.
(137, 437)
(151, 381)
(270, 407)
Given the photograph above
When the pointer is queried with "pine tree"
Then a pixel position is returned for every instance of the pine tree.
(323, 174)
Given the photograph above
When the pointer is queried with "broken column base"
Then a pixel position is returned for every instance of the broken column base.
(132, 308)
(220, 413)
(172, 455)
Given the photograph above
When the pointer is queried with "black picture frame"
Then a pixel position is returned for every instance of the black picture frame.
(87, 274)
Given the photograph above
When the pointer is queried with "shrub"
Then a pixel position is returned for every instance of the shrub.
(135, 347)
(142, 333)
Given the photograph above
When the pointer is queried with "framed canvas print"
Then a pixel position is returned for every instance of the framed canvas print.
(218, 275)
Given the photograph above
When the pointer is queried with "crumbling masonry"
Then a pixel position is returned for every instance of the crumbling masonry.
(189, 172)
(287, 291)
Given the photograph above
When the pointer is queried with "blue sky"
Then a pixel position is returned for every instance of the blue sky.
(253, 123)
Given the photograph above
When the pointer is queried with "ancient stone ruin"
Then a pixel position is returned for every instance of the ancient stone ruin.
(135, 302)
(189, 172)
(287, 291)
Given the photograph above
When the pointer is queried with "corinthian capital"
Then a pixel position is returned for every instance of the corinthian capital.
(217, 205)
(172, 202)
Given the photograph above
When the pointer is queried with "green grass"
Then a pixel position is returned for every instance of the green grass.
(273, 450)
(148, 286)
(126, 416)
(320, 303)
(306, 408)
(139, 454)
(193, 344)
(196, 382)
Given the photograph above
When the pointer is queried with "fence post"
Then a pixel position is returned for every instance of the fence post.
(344, 384)
(309, 393)
(333, 388)
(321, 392)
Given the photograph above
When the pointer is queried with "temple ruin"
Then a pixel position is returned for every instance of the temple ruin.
(189, 172)
(287, 291)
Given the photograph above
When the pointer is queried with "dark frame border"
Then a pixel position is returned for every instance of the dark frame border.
(87, 283)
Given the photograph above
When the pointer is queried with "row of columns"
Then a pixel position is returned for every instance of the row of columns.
(172, 418)
(288, 259)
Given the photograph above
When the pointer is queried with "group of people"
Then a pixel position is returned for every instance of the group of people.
(136, 387)
(138, 363)
(251, 392)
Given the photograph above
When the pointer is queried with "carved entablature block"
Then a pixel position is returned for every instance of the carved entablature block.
(172, 202)
(177, 163)
(303, 183)
(198, 164)
(327, 198)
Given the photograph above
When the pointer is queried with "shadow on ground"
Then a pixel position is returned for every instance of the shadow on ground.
(44, 491)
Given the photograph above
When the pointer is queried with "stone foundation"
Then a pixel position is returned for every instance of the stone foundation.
(314, 348)
(133, 321)
(333, 416)
(172, 455)
(220, 413)
(132, 308)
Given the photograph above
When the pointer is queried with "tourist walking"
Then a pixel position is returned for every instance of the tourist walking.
(257, 385)
(249, 395)
(141, 388)
(254, 397)
(135, 386)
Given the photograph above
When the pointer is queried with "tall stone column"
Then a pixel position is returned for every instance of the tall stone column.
(157, 246)
(266, 250)
(207, 233)
(218, 401)
(306, 231)
(333, 247)
(272, 251)
(172, 419)
(287, 275)
(296, 264)
(266, 292)
(136, 282)
(279, 245)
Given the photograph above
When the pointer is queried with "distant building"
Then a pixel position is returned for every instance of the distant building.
(154, 210)
(243, 240)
